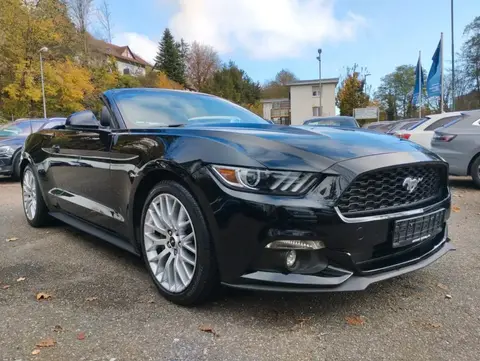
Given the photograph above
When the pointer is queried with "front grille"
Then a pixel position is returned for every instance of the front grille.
(385, 190)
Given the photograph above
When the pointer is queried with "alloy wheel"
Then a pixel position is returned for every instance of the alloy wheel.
(170, 243)
(29, 194)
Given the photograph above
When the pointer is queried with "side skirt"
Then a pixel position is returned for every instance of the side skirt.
(95, 231)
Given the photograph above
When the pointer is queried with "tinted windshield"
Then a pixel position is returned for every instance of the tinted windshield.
(332, 122)
(150, 109)
(20, 128)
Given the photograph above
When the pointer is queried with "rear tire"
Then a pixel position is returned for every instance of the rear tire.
(475, 172)
(176, 245)
(34, 206)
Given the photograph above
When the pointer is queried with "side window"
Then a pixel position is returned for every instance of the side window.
(441, 122)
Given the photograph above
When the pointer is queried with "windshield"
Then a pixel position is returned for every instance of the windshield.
(150, 109)
(332, 122)
(20, 128)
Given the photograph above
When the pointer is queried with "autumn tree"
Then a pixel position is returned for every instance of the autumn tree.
(470, 60)
(278, 88)
(351, 93)
(202, 63)
(104, 15)
(81, 12)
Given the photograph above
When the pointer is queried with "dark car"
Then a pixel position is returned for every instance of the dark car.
(208, 193)
(12, 137)
(336, 121)
(403, 125)
(382, 127)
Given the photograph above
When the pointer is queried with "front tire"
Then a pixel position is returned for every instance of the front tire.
(34, 206)
(176, 245)
(475, 172)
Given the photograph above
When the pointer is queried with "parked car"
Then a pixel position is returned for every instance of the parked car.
(402, 125)
(335, 121)
(382, 126)
(422, 131)
(12, 137)
(458, 142)
(208, 192)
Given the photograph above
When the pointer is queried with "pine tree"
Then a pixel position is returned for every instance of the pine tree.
(172, 57)
(168, 58)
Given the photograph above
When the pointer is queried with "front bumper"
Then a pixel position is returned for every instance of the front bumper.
(357, 252)
(335, 279)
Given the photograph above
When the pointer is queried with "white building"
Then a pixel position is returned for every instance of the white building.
(305, 102)
(277, 110)
(128, 63)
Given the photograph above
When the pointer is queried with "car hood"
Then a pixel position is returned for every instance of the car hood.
(287, 147)
(15, 141)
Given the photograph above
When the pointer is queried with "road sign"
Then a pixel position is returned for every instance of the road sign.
(366, 113)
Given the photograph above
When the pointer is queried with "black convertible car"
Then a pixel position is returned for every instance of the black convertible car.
(208, 193)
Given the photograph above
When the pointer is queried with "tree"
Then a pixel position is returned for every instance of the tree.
(278, 88)
(81, 11)
(471, 54)
(169, 58)
(232, 83)
(351, 93)
(395, 92)
(202, 63)
(104, 16)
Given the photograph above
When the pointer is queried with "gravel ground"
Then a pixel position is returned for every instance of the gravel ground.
(104, 307)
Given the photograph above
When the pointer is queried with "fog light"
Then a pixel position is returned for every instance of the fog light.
(291, 258)
(300, 245)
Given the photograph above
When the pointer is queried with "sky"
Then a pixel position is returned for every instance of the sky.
(265, 36)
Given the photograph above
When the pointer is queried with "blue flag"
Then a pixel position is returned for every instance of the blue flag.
(418, 82)
(434, 80)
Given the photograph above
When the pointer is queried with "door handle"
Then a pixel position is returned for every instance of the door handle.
(56, 148)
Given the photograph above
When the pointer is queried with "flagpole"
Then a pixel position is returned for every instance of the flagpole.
(441, 72)
(420, 84)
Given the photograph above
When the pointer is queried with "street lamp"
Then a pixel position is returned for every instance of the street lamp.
(453, 57)
(43, 50)
(319, 58)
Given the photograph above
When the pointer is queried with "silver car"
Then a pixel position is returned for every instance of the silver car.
(458, 142)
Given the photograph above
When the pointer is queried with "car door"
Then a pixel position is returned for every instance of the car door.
(79, 172)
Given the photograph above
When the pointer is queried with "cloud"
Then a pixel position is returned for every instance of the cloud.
(263, 28)
(140, 44)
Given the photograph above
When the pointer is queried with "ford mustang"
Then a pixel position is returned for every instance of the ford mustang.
(208, 193)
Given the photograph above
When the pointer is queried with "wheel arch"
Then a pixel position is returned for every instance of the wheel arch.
(474, 158)
(145, 185)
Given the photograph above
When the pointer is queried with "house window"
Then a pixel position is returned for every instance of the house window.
(276, 105)
(126, 71)
(316, 111)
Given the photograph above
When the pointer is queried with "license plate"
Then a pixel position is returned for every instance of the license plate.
(417, 229)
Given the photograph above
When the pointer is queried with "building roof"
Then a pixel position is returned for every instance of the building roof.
(274, 100)
(314, 82)
(116, 51)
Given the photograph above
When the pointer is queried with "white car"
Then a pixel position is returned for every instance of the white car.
(422, 132)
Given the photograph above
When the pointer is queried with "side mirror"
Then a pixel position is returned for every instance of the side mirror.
(105, 117)
(84, 119)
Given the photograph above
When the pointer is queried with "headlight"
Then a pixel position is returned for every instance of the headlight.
(6, 150)
(262, 180)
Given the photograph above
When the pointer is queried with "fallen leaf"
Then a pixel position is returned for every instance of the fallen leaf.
(355, 320)
(6, 287)
(20, 279)
(11, 239)
(81, 336)
(57, 328)
(90, 299)
(36, 351)
(151, 301)
(433, 324)
(48, 342)
(208, 329)
(456, 209)
(448, 296)
(43, 296)
(442, 286)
